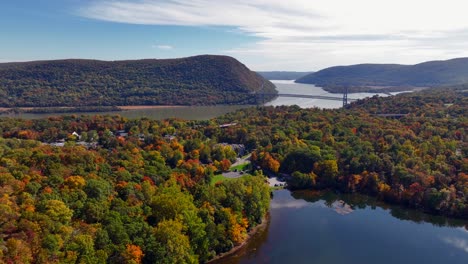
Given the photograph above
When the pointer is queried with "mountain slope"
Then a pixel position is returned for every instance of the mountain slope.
(283, 75)
(199, 80)
(427, 74)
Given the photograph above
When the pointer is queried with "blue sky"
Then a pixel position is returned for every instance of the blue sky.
(54, 29)
(263, 34)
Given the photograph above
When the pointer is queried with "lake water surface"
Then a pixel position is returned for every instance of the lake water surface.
(314, 227)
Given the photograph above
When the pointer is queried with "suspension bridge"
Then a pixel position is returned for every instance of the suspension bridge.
(262, 94)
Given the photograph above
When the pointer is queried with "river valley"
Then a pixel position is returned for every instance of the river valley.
(208, 112)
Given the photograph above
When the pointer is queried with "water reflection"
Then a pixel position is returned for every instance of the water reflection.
(357, 201)
(342, 208)
(457, 243)
(326, 227)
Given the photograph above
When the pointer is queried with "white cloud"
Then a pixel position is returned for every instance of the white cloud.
(163, 47)
(311, 34)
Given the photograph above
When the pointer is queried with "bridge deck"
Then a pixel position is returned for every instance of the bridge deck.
(311, 96)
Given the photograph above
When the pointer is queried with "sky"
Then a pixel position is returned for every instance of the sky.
(296, 35)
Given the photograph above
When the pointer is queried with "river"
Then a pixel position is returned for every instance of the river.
(326, 228)
(290, 87)
(184, 112)
(208, 112)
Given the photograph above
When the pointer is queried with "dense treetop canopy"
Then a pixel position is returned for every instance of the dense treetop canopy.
(149, 195)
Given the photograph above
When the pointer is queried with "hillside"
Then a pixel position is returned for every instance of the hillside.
(199, 80)
(283, 75)
(390, 77)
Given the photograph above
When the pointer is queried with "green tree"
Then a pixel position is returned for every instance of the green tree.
(170, 244)
(58, 211)
(301, 180)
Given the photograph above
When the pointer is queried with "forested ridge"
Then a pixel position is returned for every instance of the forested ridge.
(148, 196)
(390, 77)
(199, 80)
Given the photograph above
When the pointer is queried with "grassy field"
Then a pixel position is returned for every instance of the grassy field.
(221, 178)
(241, 167)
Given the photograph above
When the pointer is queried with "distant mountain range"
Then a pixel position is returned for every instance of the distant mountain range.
(199, 80)
(283, 75)
(390, 77)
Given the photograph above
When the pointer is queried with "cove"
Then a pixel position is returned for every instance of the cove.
(324, 227)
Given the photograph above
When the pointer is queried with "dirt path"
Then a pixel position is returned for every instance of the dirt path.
(240, 161)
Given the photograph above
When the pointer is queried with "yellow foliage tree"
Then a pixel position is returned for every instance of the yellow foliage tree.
(75, 182)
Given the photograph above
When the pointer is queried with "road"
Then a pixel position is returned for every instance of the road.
(239, 161)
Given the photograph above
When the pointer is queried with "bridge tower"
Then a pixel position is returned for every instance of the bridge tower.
(345, 97)
(262, 94)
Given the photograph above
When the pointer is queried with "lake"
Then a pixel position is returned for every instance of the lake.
(208, 112)
(323, 227)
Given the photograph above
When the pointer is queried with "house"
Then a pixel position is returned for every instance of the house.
(121, 133)
(76, 135)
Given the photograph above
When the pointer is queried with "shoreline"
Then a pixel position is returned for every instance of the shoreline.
(250, 235)
(118, 108)
(121, 107)
(139, 107)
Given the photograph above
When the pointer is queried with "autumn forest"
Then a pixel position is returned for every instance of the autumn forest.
(145, 191)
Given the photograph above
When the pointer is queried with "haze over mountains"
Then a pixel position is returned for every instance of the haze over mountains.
(364, 77)
(282, 75)
(199, 80)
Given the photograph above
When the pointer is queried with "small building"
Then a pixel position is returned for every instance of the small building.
(76, 135)
(121, 133)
